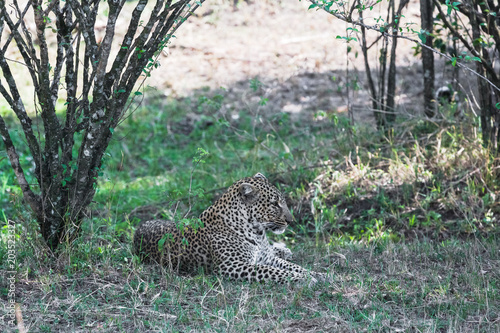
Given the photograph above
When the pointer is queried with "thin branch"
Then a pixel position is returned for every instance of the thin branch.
(50, 7)
(15, 102)
(138, 46)
(71, 78)
(115, 6)
(377, 28)
(368, 70)
(86, 19)
(26, 48)
(194, 8)
(32, 199)
(125, 49)
(53, 133)
(61, 39)
(19, 22)
(469, 47)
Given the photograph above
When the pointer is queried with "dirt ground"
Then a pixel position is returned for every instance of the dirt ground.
(292, 50)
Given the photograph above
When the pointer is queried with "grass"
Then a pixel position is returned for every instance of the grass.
(420, 286)
(407, 222)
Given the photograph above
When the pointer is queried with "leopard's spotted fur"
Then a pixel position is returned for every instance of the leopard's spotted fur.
(232, 240)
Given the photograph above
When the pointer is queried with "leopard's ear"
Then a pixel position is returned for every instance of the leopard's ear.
(248, 191)
(259, 175)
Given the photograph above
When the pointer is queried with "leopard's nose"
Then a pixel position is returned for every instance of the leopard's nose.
(289, 218)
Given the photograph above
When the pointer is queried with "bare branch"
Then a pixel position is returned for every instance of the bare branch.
(26, 48)
(86, 18)
(486, 63)
(371, 84)
(384, 33)
(19, 22)
(53, 130)
(66, 24)
(61, 39)
(115, 7)
(139, 44)
(125, 49)
(15, 102)
(32, 199)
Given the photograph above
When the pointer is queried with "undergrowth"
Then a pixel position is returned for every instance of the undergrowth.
(442, 185)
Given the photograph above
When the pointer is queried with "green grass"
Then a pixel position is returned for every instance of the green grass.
(407, 223)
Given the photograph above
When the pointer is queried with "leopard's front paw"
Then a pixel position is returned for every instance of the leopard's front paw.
(310, 281)
(281, 251)
(323, 277)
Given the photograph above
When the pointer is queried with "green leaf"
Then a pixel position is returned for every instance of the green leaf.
(138, 93)
(255, 84)
(422, 36)
(497, 105)
(312, 6)
(162, 241)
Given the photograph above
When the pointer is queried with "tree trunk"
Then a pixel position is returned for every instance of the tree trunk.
(391, 79)
(426, 10)
(383, 101)
(489, 114)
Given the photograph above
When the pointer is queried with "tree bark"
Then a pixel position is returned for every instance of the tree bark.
(391, 79)
(426, 9)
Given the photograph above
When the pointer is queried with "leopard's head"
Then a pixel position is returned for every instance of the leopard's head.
(265, 203)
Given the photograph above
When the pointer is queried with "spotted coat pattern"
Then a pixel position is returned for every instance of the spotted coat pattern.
(232, 239)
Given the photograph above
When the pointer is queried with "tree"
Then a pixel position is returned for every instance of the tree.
(380, 101)
(382, 91)
(427, 21)
(66, 58)
(480, 37)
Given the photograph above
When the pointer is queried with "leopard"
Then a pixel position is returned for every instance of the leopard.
(230, 238)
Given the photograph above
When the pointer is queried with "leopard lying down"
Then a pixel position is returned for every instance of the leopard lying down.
(232, 239)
